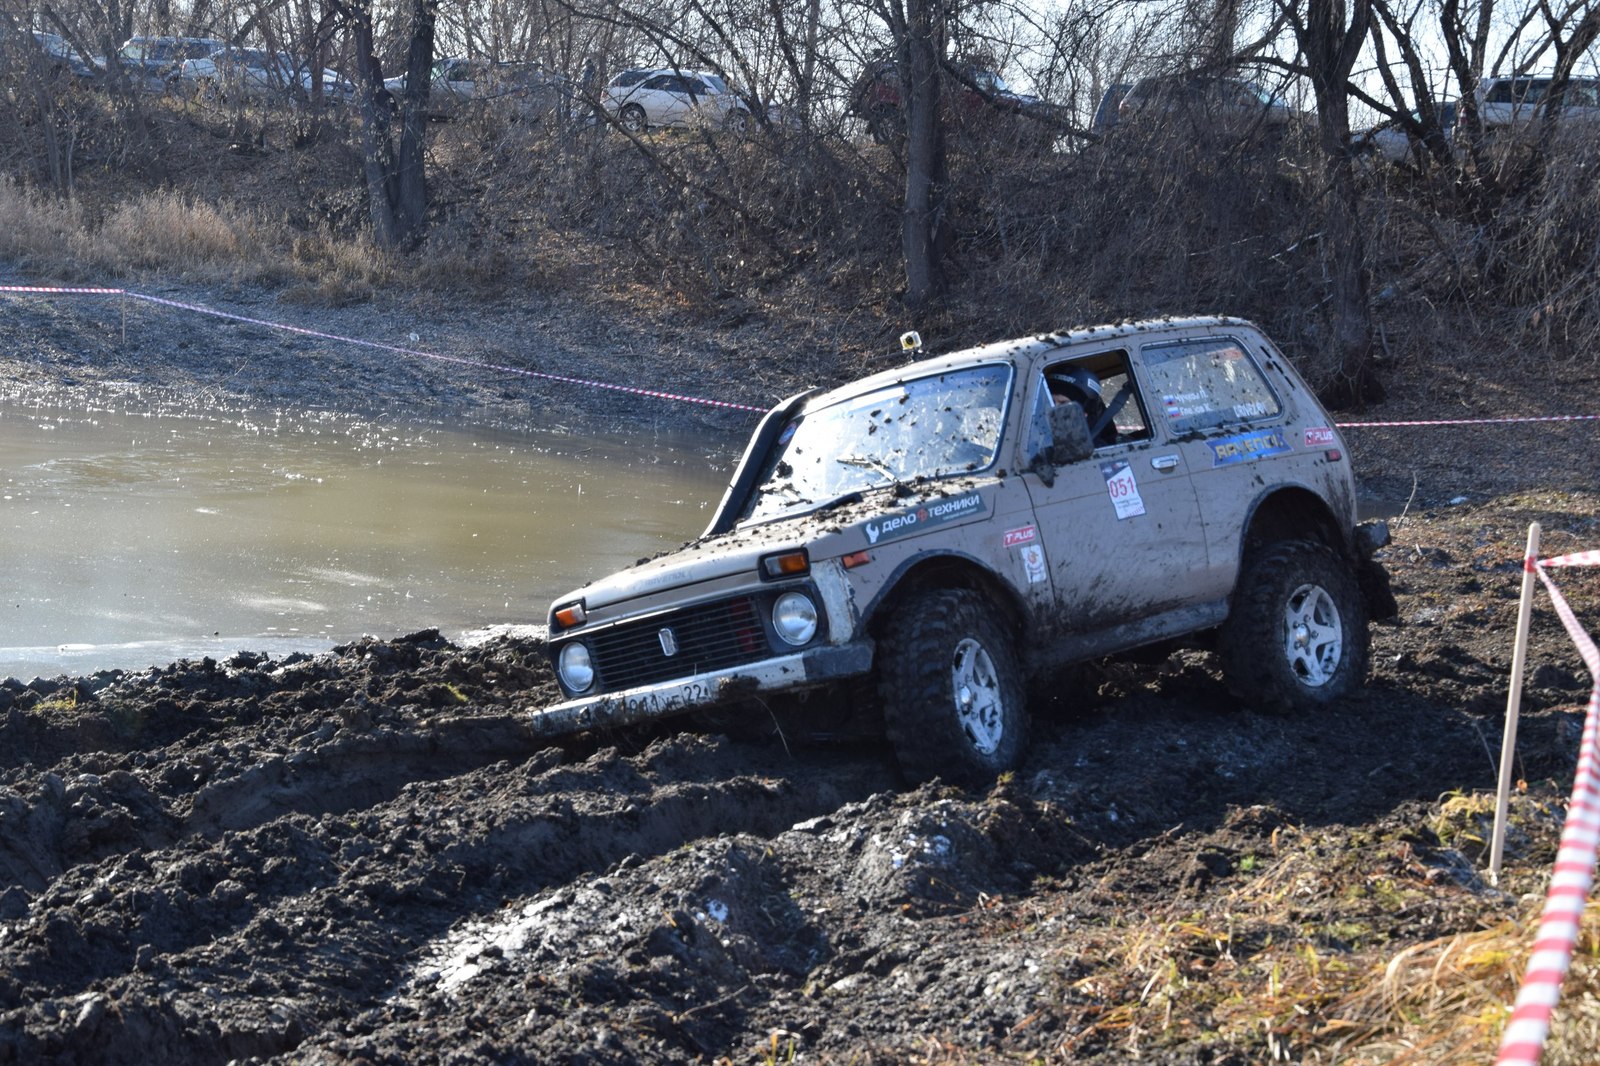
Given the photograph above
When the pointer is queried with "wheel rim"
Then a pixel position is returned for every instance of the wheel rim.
(1313, 635)
(633, 120)
(978, 701)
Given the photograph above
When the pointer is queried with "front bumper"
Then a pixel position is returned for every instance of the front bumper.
(814, 666)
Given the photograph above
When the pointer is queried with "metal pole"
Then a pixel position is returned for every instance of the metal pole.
(1508, 743)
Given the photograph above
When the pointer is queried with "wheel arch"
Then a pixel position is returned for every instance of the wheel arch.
(1291, 512)
(945, 570)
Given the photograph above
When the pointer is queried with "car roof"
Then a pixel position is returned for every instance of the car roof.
(1030, 347)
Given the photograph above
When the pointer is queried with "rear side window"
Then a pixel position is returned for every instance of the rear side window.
(1196, 385)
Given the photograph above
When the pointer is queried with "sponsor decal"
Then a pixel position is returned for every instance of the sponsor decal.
(1320, 437)
(1024, 535)
(1033, 563)
(929, 514)
(1244, 447)
(1254, 409)
(1123, 489)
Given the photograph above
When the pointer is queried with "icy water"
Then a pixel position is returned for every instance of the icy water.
(131, 540)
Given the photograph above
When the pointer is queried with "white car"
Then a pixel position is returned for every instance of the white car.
(1393, 144)
(1505, 103)
(254, 73)
(643, 99)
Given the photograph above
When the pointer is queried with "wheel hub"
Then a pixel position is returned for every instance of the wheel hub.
(979, 703)
(1313, 635)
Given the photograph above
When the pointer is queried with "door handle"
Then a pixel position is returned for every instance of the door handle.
(1165, 463)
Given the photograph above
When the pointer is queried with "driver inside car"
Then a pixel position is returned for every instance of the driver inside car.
(1083, 388)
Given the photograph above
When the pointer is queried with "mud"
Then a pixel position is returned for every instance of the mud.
(367, 856)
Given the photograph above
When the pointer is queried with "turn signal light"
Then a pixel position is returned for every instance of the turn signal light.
(786, 564)
(1333, 455)
(855, 559)
(571, 615)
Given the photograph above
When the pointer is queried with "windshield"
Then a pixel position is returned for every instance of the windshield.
(924, 428)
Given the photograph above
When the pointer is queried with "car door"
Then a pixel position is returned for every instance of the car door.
(1229, 424)
(668, 100)
(1119, 531)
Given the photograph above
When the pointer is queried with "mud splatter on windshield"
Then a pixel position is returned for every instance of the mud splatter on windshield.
(929, 427)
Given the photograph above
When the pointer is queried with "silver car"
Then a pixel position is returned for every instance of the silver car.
(644, 99)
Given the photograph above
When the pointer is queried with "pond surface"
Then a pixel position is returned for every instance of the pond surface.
(136, 539)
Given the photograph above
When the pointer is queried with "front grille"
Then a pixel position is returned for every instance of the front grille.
(711, 636)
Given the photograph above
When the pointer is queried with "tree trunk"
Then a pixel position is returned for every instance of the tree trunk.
(397, 192)
(1331, 40)
(921, 48)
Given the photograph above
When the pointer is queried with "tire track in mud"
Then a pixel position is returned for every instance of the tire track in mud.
(324, 911)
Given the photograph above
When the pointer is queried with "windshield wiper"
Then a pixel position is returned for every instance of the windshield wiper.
(875, 465)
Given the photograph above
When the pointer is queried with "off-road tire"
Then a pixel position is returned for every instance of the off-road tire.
(632, 118)
(943, 650)
(1296, 638)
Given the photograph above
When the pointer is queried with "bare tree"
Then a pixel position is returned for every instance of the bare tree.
(397, 192)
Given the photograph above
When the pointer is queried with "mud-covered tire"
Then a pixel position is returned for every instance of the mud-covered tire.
(1296, 638)
(952, 693)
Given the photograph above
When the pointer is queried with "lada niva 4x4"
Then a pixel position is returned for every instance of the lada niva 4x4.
(952, 528)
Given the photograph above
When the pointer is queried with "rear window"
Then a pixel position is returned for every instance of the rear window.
(1197, 385)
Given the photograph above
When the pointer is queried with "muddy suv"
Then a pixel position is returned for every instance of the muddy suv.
(957, 526)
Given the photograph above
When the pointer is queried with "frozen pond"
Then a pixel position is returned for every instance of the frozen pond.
(137, 539)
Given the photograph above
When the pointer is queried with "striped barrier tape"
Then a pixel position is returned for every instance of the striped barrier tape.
(654, 393)
(301, 330)
(1523, 1040)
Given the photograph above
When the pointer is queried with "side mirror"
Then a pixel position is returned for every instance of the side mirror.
(1069, 434)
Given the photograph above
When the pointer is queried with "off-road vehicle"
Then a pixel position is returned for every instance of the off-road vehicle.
(953, 527)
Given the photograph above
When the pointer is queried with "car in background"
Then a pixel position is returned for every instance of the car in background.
(644, 99)
(1509, 103)
(1107, 111)
(1393, 143)
(154, 63)
(1205, 100)
(56, 52)
(971, 92)
(455, 83)
(256, 73)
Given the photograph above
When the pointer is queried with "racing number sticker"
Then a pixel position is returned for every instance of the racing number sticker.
(1123, 489)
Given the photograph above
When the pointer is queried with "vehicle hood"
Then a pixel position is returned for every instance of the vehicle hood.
(826, 534)
(706, 559)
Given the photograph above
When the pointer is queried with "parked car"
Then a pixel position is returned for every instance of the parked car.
(1393, 143)
(1107, 111)
(155, 63)
(953, 527)
(975, 94)
(455, 83)
(641, 100)
(1204, 100)
(52, 50)
(256, 73)
(1509, 103)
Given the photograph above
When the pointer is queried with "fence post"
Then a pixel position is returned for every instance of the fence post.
(1508, 743)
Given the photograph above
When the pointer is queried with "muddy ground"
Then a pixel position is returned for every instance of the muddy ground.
(367, 857)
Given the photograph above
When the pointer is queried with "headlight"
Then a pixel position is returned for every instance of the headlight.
(794, 616)
(575, 667)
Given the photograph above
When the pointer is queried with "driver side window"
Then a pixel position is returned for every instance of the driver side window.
(1100, 384)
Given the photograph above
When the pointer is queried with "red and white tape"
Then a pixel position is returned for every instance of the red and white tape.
(1523, 1040)
(285, 327)
(49, 290)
